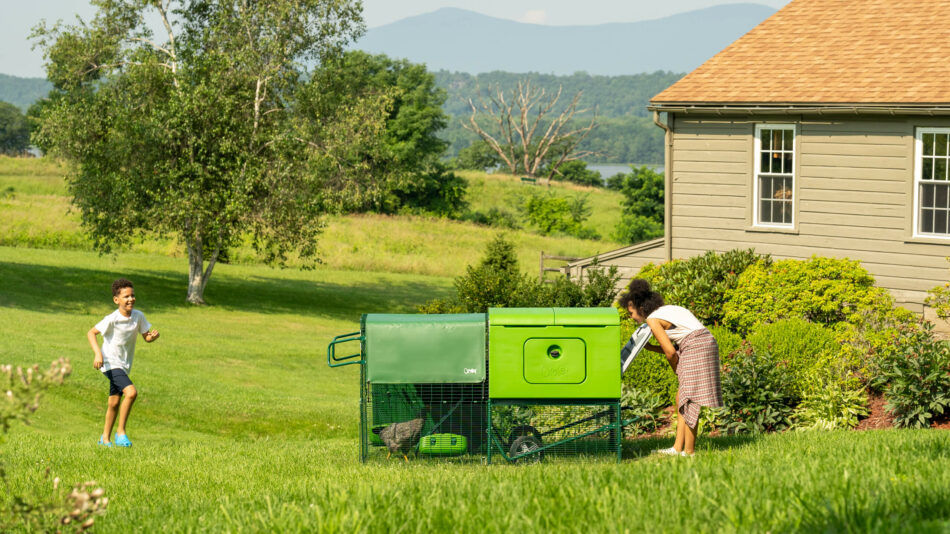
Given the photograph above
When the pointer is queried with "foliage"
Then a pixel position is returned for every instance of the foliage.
(645, 409)
(938, 298)
(823, 290)
(805, 347)
(576, 171)
(637, 229)
(477, 156)
(702, 284)
(831, 407)
(642, 205)
(727, 340)
(552, 214)
(402, 170)
(79, 509)
(916, 379)
(201, 134)
(757, 392)
(496, 281)
(14, 130)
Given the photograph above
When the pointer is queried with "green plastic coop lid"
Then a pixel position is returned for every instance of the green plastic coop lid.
(586, 316)
(520, 316)
(424, 348)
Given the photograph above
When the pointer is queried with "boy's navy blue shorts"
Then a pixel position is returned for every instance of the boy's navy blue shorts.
(118, 381)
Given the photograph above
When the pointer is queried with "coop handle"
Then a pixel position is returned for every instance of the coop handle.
(333, 360)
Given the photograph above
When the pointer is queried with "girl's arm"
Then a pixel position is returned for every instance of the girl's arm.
(94, 343)
(658, 327)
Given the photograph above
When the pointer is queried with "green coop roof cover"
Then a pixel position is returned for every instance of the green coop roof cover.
(424, 348)
(553, 316)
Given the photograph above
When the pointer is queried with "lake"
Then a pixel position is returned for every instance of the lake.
(607, 170)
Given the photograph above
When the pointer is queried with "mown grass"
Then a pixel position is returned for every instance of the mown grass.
(240, 426)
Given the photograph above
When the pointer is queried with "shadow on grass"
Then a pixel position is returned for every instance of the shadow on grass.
(637, 448)
(70, 289)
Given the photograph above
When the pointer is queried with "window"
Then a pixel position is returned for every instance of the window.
(932, 191)
(774, 175)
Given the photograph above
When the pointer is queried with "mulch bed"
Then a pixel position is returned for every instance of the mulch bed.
(878, 417)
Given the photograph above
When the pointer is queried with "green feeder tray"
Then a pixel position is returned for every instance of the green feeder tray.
(443, 445)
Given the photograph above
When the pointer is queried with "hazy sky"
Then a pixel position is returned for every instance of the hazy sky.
(17, 58)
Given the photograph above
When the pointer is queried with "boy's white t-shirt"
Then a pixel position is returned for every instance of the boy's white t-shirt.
(118, 334)
(683, 321)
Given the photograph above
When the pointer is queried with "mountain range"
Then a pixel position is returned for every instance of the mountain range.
(464, 41)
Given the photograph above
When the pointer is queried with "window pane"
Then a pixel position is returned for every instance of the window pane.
(766, 162)
(787, 165)
(927, 221)
(789, 140)
(766, 139)
(928, 144)
(940, 169)
(787, 212)
(765, 211)
(927, 172)
(927, 195)
(940, 145)
(940, 221)
(941, 196)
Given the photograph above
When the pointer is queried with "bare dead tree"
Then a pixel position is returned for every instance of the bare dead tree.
(521, 120)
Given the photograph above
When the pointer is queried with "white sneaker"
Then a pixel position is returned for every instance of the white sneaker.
(686, 454)
(669, 452)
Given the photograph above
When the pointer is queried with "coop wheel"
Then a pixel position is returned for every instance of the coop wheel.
(527, 444)
(523, 430)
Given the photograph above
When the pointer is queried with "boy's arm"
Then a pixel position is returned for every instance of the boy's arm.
(94, 343)
(150, 336)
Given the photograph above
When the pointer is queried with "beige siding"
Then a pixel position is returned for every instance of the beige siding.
(854, 196)
(627, 264)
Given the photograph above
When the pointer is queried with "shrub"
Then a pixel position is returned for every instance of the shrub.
(634, 228)
(939, 299)
(644, 408)
(553, 214)
(727, 340)
(494, 217)
(873, 337)
(757, 392)
(831, 407)
(702, 284)
(916, 380)
(493, 282)
(822, 290)
(576, 171)
(802, 344)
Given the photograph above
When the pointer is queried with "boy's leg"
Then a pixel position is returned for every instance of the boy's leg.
(128, 397)
(111, 410)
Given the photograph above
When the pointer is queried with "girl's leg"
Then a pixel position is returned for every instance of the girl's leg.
(112, 408)
(128, 397)
(689, 444)
(680, 428)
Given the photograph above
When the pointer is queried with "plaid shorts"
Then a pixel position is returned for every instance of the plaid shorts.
(118, 381)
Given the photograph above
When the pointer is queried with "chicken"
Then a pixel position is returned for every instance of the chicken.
(403, 436)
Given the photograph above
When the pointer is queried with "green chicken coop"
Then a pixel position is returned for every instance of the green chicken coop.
(517, 383)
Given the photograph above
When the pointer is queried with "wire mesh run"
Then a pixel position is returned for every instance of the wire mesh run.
(533, 431)
(423, 421)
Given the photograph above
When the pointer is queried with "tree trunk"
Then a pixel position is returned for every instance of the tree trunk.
(198, 275)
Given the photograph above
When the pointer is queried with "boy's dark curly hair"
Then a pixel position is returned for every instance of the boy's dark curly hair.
(119, 285)
(643, 298)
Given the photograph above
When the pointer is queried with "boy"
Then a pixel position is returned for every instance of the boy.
(118, 330)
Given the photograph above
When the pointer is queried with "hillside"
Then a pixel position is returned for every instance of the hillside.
(459, 40)
(22, 92)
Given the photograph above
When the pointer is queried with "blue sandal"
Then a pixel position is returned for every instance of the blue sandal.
(122, 440)
(104, 443)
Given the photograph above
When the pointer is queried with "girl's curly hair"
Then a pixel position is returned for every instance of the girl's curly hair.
(643, 298)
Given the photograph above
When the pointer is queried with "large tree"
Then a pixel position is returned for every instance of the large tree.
(197, 132)
(527, 130)
(14, 130)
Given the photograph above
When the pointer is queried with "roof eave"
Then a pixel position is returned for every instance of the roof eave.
(793, 108)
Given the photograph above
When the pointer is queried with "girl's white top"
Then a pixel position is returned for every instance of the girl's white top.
(118, 338)
(683, 321)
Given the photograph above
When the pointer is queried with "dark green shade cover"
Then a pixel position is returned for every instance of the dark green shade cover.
(424, 348)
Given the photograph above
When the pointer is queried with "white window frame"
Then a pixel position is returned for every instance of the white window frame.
(757, 158)
(919, 180)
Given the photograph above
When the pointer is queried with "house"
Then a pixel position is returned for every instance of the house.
(823, 131)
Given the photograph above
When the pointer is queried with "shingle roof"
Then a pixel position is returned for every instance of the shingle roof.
(828, 52)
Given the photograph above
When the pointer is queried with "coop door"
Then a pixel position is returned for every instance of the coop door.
(555, 361)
